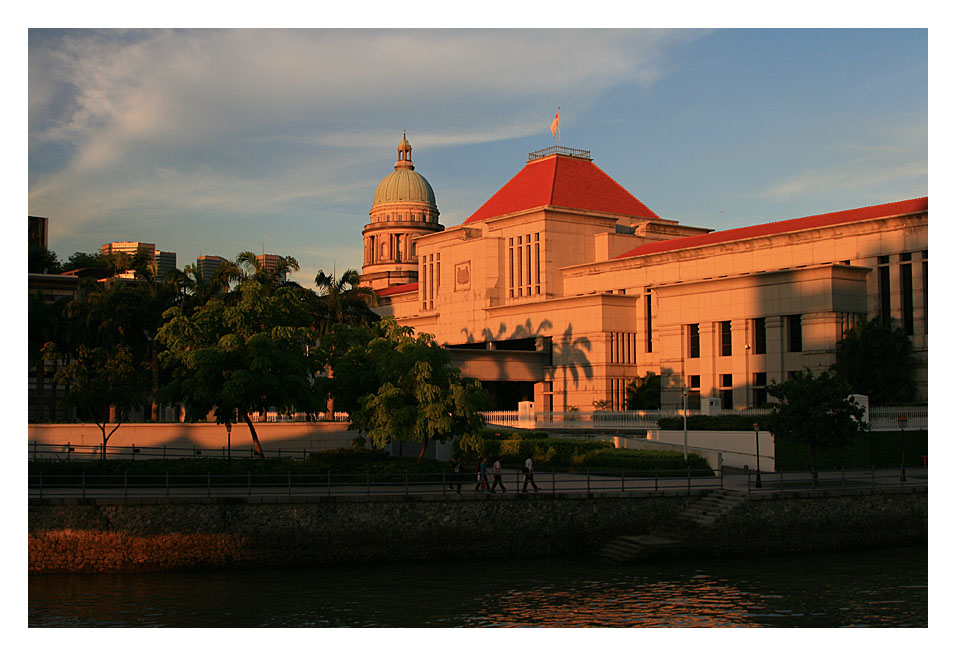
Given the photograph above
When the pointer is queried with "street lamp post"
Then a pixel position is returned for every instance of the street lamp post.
(902, 423)
(757, 458)
(684, 415)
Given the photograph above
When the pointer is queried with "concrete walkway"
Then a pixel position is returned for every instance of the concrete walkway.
(558, 483)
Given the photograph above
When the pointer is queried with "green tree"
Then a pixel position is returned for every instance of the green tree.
(344, 301)
(46, 328)
(877, 360)
(815, 411)
(104, 383)
(401, 387)
(644, 392)
(201, 289)
(42, 261)
(270, 278)
(234, 360)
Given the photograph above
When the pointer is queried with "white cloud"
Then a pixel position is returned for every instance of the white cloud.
(186, 123)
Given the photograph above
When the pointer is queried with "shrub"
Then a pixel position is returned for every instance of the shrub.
(880, 449)
(646, 462)
(515, 448)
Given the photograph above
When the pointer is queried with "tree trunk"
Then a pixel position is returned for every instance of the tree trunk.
(154, 365)
(41, 389)
(252, 432)
(106, 437)
(53, 398)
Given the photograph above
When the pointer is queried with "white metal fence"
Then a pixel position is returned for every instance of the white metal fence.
(882, 418)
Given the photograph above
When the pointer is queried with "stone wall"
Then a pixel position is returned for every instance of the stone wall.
(151, 535)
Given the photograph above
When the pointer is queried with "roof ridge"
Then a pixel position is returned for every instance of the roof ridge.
(782, 226)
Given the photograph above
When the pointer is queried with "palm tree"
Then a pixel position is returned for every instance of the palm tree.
(345, 300)
(252, 266)
(201, 289)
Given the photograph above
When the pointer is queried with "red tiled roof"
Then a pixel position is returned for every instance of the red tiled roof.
(398, 289)
(562, 181)
(780, 227)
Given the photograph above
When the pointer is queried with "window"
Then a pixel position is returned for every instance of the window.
(429, 281)
(907, 294)
(511, 267)
(924, 277)
(884, 289)
(795, 343)
(524, 265)
(694, 391)
(694, 341)
(759, 335)
(726, 338)
(623, 348)
(759, 391)
(648, 323)
(726, 392)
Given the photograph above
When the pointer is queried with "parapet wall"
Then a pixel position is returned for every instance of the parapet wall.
(159, 534)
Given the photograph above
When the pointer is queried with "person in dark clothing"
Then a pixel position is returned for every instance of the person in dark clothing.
(456, 476)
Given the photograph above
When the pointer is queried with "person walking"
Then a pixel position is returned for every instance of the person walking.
(456, 475)
(481, 475)
(529, 475)
(497, 471)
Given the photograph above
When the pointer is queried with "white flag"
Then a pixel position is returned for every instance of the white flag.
(555, 122)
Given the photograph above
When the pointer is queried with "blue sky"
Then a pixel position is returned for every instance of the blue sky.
(219, 141)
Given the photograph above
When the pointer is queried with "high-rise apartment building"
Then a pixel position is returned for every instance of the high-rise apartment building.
(208, 264)
(270, 262)
(38, 231)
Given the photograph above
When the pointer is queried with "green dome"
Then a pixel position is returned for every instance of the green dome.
(404, 185)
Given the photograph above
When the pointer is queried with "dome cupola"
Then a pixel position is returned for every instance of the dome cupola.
(403, 209)
(404, 184)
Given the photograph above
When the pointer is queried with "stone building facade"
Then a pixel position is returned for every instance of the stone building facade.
(563, 287)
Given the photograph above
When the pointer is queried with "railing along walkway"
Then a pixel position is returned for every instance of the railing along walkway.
(365, 484)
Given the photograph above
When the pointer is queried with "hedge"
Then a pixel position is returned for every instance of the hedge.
(714, 422)
(880, 449)
(573, 455)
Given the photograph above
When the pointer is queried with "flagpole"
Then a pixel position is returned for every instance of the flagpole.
(559, 128)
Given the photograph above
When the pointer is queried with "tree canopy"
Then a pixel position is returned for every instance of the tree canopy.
(877, 360)
(400, 387)
(814, 410)
(105, 349)
(238, 359)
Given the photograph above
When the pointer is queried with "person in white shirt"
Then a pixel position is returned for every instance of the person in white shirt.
(529, 475)
(497, 471)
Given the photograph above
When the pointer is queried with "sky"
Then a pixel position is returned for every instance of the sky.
(222, 141)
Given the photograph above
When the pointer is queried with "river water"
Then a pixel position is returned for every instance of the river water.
(875, 588)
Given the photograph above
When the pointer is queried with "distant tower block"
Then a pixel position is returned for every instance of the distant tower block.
(403, 209)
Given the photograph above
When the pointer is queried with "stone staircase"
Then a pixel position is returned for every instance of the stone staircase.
(700, 513)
